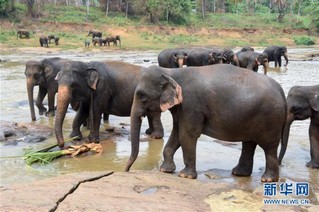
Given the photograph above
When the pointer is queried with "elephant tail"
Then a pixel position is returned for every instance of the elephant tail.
(284, 135)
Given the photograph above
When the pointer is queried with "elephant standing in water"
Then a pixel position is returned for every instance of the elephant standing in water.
(303, 103)
(43, 73)
(251, 60)
(203, 57)
(103, 88)
(210, 105)
(275, 53)
(173, 58)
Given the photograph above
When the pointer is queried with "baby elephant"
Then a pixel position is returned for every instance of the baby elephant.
(303, 103)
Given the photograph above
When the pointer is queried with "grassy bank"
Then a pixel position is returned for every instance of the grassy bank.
(72, 24)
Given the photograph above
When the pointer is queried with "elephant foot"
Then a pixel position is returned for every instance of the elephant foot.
(313, 164)
(242, 171)
(157, 134)
(168, 167)
(50, 113)
(77, 134)
(94, 138)
(42, 111)
(267, 177)
(188, 173)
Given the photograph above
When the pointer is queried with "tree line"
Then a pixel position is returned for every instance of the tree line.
(175, 11)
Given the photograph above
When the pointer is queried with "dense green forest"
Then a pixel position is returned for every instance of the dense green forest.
(288, 13)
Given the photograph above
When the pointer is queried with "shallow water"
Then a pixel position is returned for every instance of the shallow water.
(212, 157)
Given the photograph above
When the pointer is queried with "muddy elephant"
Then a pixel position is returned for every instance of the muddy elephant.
(44, 41)
(42, 73)
(203, 57)
(275, 53)
(173, 58)
(102, 87)
(209, 105)
(251, 60)
(303, 103)
(95, 33)
(23, 33)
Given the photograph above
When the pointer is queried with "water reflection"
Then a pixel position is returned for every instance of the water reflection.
(213, 158)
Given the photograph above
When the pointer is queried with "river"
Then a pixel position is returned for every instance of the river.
(212, 155)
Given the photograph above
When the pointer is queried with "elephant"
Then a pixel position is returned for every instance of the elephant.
(210, 105)
(87, 43)
(303, 103)
(55, 38)
(274, 54)
(245, 49)
(203, 57)
(44, 41)
(23, 32)
(51, 37)
(43, 73)
(113, 40)
(103, 87)
(228, 56)
(102, 42)
(96, 41)
(95, 33)
(251, 60)
(173, 58)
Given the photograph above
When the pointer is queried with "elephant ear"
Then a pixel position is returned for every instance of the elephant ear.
(171, 94)
(48, 71)
(314, 103)
(92, 78)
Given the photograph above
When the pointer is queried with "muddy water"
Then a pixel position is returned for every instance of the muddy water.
(214, 158)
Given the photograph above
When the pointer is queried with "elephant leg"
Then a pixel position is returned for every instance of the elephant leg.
(95, 126)
(170, 148)
(246, 160)
(155, 126)
(188, 136)
(279, 62)
(271, 173)
(81, 115)
(276, 61)
(314, 145)
(39, 101)
(51, 100)
(105, 117)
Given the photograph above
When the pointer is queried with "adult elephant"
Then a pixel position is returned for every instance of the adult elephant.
(209, 105)
(44, 41)
(42, 73)
(96, 41)
(23, 33)
(114, 40)
(173, 58)
(95, 33)
(303, 103)
(203, 57)
(228, 56)
(251, 60)
(275, 53)
(105, 87)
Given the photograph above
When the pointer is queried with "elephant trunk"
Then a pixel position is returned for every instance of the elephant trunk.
(30, 86)
(235, 60)
(63, 100)
(136, 121)
(266, 67)
(180, 62)
(286, 58)
(285, 136)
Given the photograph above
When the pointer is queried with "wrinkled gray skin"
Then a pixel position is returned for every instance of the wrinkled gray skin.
(303, 103)
(252, 60)
(42, 73)
(44, 41)
(203, 57)
(215, 104)
(228, 56)
(173, 58)
(95, 34)
(275, 53)
(108, 86)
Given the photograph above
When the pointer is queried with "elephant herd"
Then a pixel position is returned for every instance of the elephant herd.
(223, 101)
(245, 58)
(97, 39)
(45, 40)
